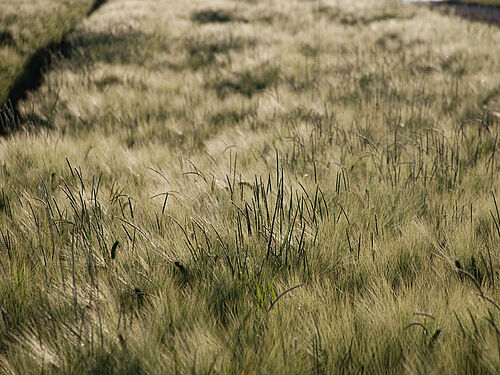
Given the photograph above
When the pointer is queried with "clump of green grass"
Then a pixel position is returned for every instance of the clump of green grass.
(206, 50)
(247, 82)
(125, 45)
(6, 38)
(230, 116)
(311, 198)
(215, 16)
(352, 17)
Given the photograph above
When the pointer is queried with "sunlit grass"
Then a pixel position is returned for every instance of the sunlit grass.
(26, 26)
(256, 187)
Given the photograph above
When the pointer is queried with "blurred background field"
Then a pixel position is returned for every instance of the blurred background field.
(482, 2)
(255, 187)
(28, 25)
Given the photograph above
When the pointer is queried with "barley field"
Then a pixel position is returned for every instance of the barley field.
(252, 187)
(26, 26)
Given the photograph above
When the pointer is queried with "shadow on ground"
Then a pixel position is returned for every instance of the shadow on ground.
(471, 12)
(32, 76)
